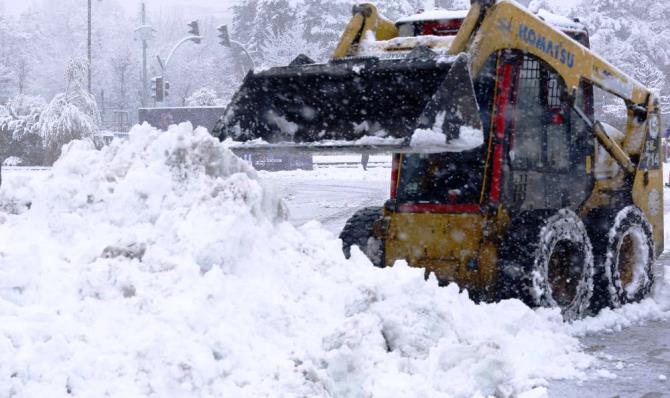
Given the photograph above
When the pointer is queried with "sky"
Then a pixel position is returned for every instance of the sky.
(218, 8)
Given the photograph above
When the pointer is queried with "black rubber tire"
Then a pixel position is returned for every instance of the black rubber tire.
(598, 224)
(629, 222)
(358, 231)
(528, 269)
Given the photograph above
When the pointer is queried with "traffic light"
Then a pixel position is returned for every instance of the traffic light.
(194, 31)
(223, 35)
(153, 88)
(166, 88)
(157, 89)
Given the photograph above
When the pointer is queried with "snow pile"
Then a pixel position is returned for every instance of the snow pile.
(370, 47)
(469, 137)
(161, 267)
(657, 307)
(372, 140)
(427, 137)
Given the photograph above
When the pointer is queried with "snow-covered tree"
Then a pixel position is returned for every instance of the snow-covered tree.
(537, 5)
(21, 71)
(632, 35)
(278, 30)
(202, 97)
(274, 17)
(395, 9)
(70, 115)
(19, 135)
(244, 17)
(21, 114)
(121, 64)
(453, 4)
(648, 74)
(282, 48)
(7, 86)
(323, 22)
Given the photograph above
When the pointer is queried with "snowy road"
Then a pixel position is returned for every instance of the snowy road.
(636, 359)
(332, 194)
(632, 362)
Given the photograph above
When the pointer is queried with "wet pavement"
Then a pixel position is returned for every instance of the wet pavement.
(634, 362)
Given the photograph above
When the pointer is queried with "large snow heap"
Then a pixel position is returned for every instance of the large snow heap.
(163, 267)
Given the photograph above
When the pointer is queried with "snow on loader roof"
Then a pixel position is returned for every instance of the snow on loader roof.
(559, 21)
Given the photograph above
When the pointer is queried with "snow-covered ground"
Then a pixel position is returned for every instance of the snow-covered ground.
(166, 267)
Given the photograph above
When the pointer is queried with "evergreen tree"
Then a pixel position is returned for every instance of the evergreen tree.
(395, 9)
(282, 48)
(274, 17)
(453, 4)
(323, 22)
(648, 74)
(244, 17)
(632, 35)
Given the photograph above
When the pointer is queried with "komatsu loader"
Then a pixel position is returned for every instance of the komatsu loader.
(502, 179)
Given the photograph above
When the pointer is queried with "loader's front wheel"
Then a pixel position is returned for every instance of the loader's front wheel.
(547, 261)
(358, 231)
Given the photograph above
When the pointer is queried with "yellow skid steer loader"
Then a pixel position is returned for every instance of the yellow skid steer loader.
(502, 181)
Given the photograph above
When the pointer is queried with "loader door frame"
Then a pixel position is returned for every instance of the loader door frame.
(473, 164)
(540, 153)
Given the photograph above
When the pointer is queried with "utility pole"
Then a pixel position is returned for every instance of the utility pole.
(144, 58)
(89, 46)
(144, 33)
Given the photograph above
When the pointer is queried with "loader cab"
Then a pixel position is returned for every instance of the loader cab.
(548, 147)
(572, 27)
(449, 182)
(537, 151)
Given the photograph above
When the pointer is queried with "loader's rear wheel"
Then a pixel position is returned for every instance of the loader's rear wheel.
(629, 257)
(358, 231)
(623, 249)
(547, 261)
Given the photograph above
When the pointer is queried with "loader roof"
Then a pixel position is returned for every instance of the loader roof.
(435, 14)
(561, 22)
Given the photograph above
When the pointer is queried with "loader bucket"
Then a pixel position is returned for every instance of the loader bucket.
(347, 99)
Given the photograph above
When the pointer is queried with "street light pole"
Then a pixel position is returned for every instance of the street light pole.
(164, 65)
(144, 33)
(226, 41)
(194, 36)
(244, 50)
(89, 46)
(144, 59)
